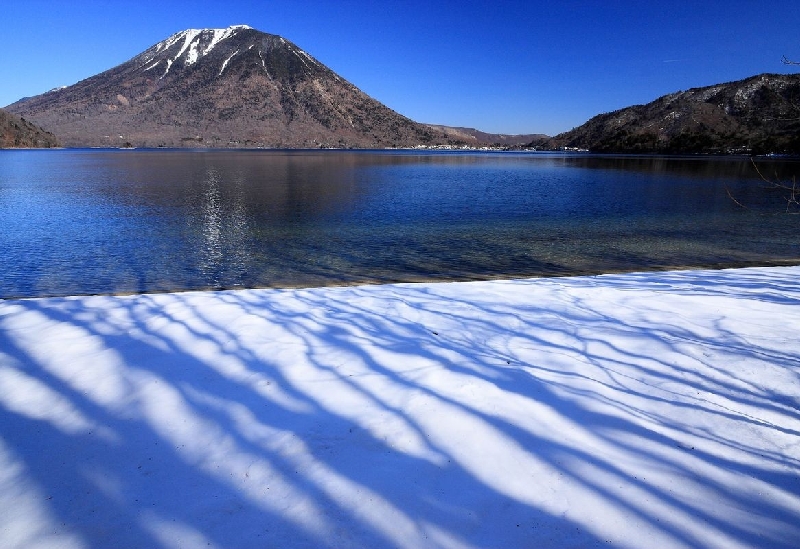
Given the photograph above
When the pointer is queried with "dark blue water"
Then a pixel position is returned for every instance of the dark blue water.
(93, 221)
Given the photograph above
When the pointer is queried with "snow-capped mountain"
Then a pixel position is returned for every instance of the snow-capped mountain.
(232, 87)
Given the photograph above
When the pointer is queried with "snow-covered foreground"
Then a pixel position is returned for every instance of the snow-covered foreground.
(658, 410)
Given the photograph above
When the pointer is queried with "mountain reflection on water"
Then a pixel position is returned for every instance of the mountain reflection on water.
(107, 221)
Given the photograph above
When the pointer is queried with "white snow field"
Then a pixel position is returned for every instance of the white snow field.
(629, 410)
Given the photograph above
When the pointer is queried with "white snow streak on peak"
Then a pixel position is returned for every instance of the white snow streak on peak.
(190, 35)
(169, 64)
(192, 39)
(165, 44)
(225, 64)
(302, 54)
(220, 35)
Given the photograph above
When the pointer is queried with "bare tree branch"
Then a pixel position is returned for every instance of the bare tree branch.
(787, 61)
(791, 192)
(734, 199)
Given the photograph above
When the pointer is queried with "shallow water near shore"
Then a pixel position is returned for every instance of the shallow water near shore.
(108, 221)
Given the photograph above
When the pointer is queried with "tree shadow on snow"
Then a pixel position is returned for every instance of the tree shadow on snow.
(402, 416)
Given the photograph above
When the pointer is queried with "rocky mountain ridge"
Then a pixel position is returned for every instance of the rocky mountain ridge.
(232, 87)
(757, 115)
(18, 133)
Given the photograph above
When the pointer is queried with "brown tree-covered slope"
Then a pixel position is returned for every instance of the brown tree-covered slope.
(16, 132)
(477, 138)
(234, 87)
(760, 114)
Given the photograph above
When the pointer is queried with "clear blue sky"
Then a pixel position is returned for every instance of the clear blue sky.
(499, 66)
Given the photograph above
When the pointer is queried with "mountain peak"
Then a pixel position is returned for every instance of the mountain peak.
(231, 29)
(231, 87)
(191, 44)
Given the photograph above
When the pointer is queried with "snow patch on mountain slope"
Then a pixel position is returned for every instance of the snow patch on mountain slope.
(188, 44)
(225, 63)
(218, 35)
(169, 64)
(263, 63)
(166, 44)
(300, 57)
(301, 54)
(197, 43)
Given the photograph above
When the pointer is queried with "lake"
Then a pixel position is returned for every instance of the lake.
(119, 221)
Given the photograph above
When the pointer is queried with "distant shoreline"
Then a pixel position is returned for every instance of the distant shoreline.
(429, 280)
(443, 149)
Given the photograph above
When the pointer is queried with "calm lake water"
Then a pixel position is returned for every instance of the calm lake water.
(95, 221)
